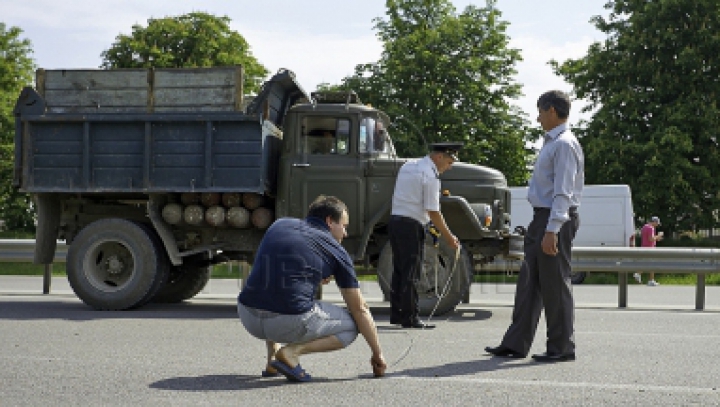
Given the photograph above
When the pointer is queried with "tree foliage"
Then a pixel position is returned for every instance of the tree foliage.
(448, 75)
(191, 40)
(654, 83)
(16, 70)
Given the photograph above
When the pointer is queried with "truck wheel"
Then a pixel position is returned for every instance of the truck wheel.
(577, 277)
(433, 279)
(184, 283)
(115, 264)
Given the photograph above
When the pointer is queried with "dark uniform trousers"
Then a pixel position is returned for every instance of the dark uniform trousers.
(407, 237)
(545, 281)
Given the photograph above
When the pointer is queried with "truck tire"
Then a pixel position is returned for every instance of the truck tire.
(427, 285)
(184, 283)
(577, 277)
(116, 264)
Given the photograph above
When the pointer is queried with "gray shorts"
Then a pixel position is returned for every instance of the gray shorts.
(323, 320)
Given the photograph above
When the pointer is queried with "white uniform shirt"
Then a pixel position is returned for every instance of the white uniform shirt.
(417, 190)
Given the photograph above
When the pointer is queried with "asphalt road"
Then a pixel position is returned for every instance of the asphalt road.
(57, 351)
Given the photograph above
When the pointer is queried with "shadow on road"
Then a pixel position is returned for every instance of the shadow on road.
(72, 309)
(245, 382)
(230, 382)
(382, 315)
(466, 368)
(77, 311)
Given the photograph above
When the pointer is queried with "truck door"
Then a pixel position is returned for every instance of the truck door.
(325, 164)
(382, 165)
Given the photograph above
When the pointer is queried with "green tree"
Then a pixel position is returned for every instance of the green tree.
(16, 71)
(653, 86)
(449, 76)
(191, 40)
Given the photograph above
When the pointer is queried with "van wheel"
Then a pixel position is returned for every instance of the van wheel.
(115, 264)
(433, 280)
(184, 283)
(577, 277)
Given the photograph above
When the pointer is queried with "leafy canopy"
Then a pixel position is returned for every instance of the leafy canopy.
(653, 85)
(16, 71)
(191, 40)
(447, 76)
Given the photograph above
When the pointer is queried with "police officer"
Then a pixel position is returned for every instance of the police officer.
(416, 202)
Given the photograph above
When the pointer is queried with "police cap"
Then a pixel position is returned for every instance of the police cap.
(448, 148)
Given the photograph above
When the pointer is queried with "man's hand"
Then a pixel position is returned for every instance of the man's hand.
(327, 280)
(378, 365)
(452, 241)
(549, 244)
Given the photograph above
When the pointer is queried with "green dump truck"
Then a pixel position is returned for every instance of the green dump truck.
(151, 176)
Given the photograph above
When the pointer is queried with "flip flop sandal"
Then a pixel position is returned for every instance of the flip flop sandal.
(296, 374)
(265, 373)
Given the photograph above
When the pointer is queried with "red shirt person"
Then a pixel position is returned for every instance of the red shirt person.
(650, 238)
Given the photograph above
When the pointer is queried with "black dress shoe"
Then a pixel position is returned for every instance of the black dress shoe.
(417, 324)
(503, 352)
(554, 357)
(395, 320)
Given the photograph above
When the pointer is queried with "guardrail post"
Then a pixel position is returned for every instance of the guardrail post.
(47, 278)
(622, 290)
(700, 292)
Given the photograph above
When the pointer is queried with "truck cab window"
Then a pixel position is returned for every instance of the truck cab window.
(373, 136)
(325, 135)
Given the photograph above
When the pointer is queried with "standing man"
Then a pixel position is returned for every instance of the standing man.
(278, 302)
(649, 238)
(544, 279)
(416, 201)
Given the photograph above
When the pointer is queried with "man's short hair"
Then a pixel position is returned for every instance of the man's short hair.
(557, 99)
(324, 206)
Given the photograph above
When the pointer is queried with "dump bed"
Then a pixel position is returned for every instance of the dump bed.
(149, 130)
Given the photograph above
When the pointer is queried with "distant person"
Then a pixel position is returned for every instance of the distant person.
(278, 302)
(415, 202)
(649, 238)
(544, 281)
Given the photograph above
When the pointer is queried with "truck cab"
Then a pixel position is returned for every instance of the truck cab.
(337, 145)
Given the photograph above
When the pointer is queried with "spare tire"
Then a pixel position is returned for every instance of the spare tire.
(440, 288)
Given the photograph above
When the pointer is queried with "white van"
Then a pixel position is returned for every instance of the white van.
(606, 217)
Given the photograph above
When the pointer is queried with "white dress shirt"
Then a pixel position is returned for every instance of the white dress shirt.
(558, 177)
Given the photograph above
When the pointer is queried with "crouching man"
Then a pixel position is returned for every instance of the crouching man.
(278, 302)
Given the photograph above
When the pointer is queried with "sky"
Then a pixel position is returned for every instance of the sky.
(319, 40)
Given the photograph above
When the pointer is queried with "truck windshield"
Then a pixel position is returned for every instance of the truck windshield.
(374, 137)
(325, 135)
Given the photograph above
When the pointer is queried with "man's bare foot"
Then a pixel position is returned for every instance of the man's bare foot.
(286, 356)
(270, 369)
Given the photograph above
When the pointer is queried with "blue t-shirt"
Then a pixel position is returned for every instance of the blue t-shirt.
(293, 258)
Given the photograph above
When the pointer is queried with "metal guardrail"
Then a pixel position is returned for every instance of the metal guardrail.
(621, 260)
(625, 260)
(23, 250)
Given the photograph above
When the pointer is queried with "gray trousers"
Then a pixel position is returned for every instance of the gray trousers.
(324, 319)
(544, 281)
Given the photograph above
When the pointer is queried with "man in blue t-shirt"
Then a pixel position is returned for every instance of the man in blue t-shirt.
(278, 303)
